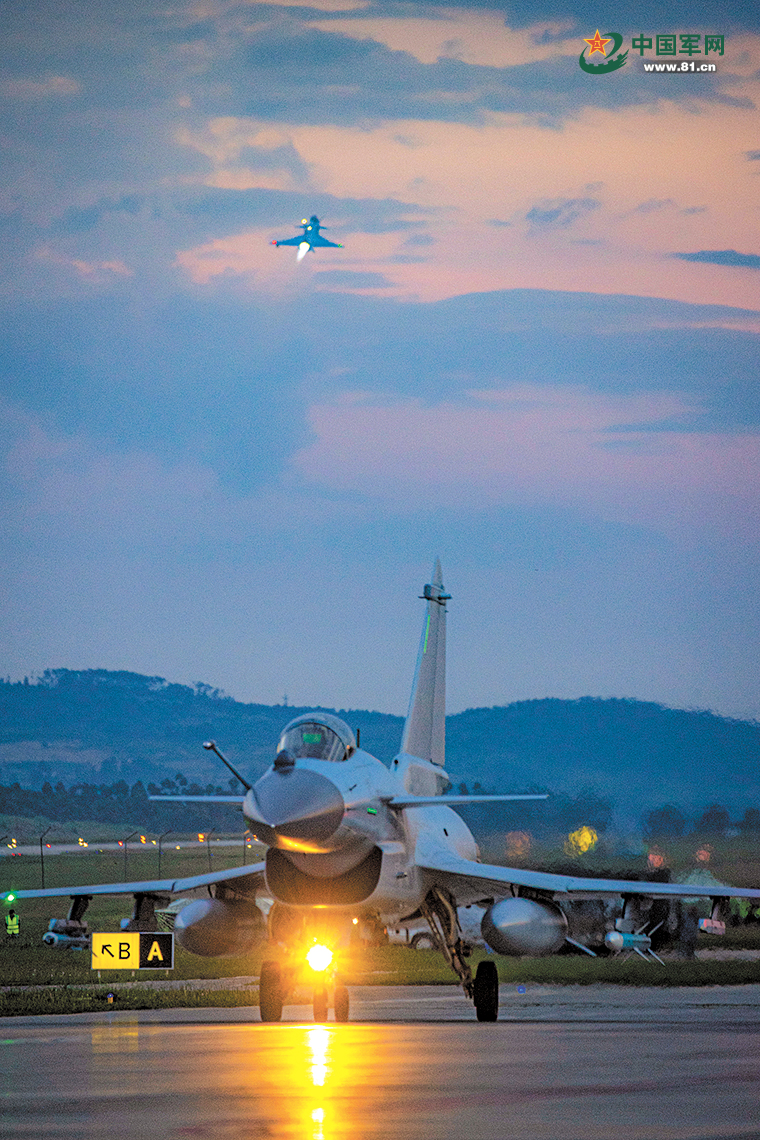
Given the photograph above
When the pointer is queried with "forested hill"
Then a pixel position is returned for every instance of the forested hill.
(100, 726)
(636, 753)
(72, 725)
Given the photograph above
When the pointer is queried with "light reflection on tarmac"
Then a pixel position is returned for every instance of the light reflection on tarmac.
(567, 1063)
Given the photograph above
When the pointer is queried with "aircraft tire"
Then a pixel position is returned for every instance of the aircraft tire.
(486, 991)
(424, 940)
(270, 992)
(320, 1003)
(341, 1003)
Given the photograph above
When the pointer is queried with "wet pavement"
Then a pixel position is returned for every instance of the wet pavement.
(563, 1063)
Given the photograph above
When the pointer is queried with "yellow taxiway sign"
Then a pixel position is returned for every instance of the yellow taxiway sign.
(141, 950)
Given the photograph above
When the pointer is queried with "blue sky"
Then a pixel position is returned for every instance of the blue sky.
(535, 356)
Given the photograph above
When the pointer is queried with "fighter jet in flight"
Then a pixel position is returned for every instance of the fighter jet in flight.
(310, 239)
(352, 842)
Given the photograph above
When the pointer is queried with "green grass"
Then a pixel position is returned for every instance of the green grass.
(736, 938)
(28, 829)
(397, 965)
(61, 1000)
(20, 872)
(631, 971)
(392, 966)
(26, 962)
(735, 860)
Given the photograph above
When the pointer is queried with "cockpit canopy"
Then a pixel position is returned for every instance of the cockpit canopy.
(320, 736)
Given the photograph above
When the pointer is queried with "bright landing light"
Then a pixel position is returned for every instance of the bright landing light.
(319, 958)
(303, 249)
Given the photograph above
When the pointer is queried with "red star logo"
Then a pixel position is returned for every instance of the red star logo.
(597, 44)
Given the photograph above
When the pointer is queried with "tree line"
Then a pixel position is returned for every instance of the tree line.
(125, 806)
(130, 806)
(669, 822)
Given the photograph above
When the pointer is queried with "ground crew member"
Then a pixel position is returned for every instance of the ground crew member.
(12, 924)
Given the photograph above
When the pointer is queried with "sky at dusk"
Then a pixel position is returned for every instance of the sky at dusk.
(536, 355)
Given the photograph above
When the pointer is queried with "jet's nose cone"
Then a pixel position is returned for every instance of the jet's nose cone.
(295, 808)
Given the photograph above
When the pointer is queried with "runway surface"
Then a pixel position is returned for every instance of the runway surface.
(563, 1063)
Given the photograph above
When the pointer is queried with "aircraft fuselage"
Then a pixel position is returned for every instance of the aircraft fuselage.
(344, 825)
(310, 239)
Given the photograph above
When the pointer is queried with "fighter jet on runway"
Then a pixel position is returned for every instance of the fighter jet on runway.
(352, 841)
(310, 239)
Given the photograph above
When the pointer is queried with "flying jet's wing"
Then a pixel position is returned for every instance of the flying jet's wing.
(292, 241)
(319, 240)
(469, 881)
(243, 879)
(431, 801)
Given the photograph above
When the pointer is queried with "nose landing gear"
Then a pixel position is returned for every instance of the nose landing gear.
(270, 992)
(320, 1003)
(340, 1002)
(274, 988)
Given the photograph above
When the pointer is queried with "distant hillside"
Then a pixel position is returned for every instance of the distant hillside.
(99, 726)
(77, 725)
(635, 752)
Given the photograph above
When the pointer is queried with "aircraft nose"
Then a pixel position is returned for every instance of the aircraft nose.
(294, 808)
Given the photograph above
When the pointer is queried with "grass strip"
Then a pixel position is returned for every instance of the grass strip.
(426, 967)
(61, 999)
(627, 972)
(414, 968)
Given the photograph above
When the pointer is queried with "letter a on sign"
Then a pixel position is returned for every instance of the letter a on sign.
(156, 951)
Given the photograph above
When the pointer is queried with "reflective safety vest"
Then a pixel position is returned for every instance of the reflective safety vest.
(12, 924)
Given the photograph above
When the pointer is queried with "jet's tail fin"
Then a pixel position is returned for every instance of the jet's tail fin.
(425, 728)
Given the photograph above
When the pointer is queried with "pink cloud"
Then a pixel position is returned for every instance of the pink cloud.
(530, 445)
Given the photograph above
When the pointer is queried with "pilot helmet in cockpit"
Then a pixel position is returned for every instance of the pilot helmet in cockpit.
(318, 736)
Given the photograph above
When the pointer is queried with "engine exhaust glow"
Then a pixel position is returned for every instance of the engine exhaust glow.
(319, 958)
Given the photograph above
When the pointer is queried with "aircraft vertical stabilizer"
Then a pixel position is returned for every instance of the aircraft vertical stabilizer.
(425, 727)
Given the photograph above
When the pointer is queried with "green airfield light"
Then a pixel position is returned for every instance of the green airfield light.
(9, 897)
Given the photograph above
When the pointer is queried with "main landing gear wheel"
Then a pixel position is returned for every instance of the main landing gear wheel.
(423, 940)
(270, 992)
(341, 1003)
(486, 992)
(320, 1003)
